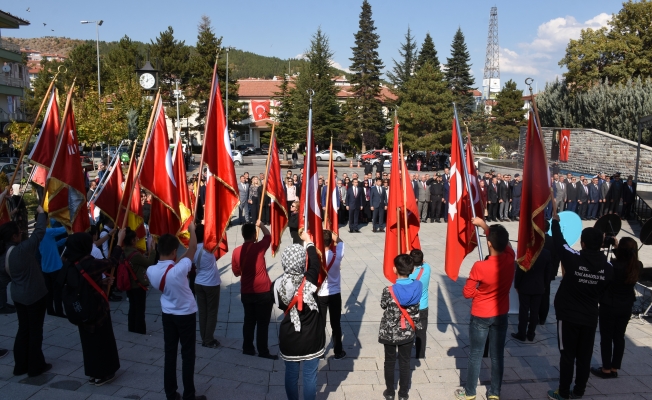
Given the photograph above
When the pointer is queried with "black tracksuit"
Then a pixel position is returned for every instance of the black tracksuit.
(531, 287)
(587, 276)
(544, 307)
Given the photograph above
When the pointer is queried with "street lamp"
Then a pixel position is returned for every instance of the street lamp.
(227, 92)
(97, 46)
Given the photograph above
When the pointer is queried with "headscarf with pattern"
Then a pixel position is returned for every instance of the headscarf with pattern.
(293, 261)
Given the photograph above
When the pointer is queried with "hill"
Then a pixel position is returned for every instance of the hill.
(244, 64)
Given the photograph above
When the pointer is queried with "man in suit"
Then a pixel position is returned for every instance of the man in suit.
(445, 179)
(531, 287)
(594, 199)
(503, 199)
(572, 191)
(569, 178)
(583, 198)
(378, 205)
(436, 199)
(354, 205)
(629, 195)
(368, 168)
(492, 200)
(604, 195)
(379, 165)
(560, 198)
(424, 199)
(615, 194)
(243, 191)
(517, 192)
(342, 213)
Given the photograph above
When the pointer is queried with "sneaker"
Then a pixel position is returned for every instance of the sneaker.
(214, 344)
(268, 356)
(554, 395)
(388, 396)
(601, 374)
(340, 355)
(91, 381)
(106, 379)
(3, 352)
(249, 353)
(518, 337)
(572, 395)
(493, 397)
(460, 394)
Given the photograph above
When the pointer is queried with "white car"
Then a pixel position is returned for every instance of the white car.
(325, 155)
(237, 157)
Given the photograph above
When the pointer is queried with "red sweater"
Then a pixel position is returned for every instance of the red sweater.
(248, 260)
(489, 284)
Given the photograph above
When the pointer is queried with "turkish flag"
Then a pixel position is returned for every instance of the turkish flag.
(332, 198)
(401, 199)
(110, 195)
(536, 195)
(135, 219)
(460, 234)
(66, 195)
(46, 142)
(564, 145)
(260, 110)
(222, 197)
(473, 179)
(276, 192)
(157, 176)
(185, 204)
(310, 204)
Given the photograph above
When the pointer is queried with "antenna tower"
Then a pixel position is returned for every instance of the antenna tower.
(491, 80)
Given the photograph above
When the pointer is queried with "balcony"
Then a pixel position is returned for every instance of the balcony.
(5, 45)
(13, 82)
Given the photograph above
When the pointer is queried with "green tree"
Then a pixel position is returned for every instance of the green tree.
(620, 52)
(172, 56)
(366, 67)
(458, 75)
(317, 75)
(285, 136)
(120, 58)
(403, 69)
(81, 65)
(426, 111)
(428, 53)
(508, 115)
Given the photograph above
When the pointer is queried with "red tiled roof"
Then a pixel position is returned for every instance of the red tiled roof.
(265, 88)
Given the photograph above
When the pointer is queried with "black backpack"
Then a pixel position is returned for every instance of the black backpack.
(82, 297)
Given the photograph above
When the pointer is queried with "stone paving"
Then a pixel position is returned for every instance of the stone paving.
(224, 373)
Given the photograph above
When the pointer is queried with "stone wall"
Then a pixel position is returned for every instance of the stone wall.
(592, 151)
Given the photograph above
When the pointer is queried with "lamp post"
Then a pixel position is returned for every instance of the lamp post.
(177, 94)
(97, 46)
(227, 93)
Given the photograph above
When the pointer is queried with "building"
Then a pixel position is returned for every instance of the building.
(14, 76)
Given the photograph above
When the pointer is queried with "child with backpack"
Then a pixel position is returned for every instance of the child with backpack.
(398, 325)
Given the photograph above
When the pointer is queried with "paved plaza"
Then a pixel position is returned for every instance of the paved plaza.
(224, 373)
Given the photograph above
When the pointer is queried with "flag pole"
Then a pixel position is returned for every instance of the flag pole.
(328, 195)
(59, 140)
(262, 196)
(131, 163)
(405, 216)
(398, 229)
(105, 176)
(307, 170)
(467, 181)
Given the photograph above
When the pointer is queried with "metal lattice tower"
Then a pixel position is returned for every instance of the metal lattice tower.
(491, 81)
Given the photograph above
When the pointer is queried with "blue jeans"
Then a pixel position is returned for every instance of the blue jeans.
(479, 329)
(309, 379)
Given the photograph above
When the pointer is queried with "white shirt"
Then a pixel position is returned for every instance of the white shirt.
(105, 245)
(177, 298)
(207, 273)
(331, 284)
(96, 253)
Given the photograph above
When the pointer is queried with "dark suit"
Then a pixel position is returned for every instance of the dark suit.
(614, 195)
(531, 287)
(368, 168)
(544, 307)
(629, 194)
(354, 202)
(492, 201)
(517, 191)
(582, 200)
(378, 202)
(436, 197)
(571, 196)
(504, 195)
(594, 198)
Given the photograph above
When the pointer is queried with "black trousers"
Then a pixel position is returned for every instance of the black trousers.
(334, 304)
(492, 211)
(378, 217)
(354, 213)
(528, 314)
(136, 317)
(422, 334)
(404, 351)
(54, 298)
(613, 324)
(257, 313)
(576, 348)
(28, 353)
(342, 215)
(179, 329)
(435, 208)
(544, 305)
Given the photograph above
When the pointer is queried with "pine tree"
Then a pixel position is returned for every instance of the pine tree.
(172, 56)
(317, 75)
(282, 114)
(366, 67)
(428, 53)
(120, 58)
(403, 70)
(426, 111)
(508, 115)
(458, 75)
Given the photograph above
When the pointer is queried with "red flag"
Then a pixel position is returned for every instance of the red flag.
(135, 219)
(260, 110)
(46, 142)
(157, 177)
(460, 235)
(564, 145)
(4, 210)
(332, 198)
(185, 204)
(535, 198)
(473, 179)
(108, 199)
(278, 211)
(66, 196)
(400, 197)
(222, 197)
(313, 224)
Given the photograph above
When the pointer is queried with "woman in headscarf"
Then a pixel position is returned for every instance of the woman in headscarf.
(28, 291)
(99, 349)
(302, 334)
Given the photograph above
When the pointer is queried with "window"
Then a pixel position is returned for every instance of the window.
(245, 137)
(244, 107)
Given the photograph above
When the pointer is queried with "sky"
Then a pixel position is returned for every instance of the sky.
(533, 35)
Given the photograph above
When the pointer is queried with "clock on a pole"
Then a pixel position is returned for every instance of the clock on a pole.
(148, 76)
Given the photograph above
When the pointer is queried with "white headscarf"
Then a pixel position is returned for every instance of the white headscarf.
(293, 261)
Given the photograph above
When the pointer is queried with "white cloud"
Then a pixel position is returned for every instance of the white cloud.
(339, 66)
(555, 34)
(511, 61)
